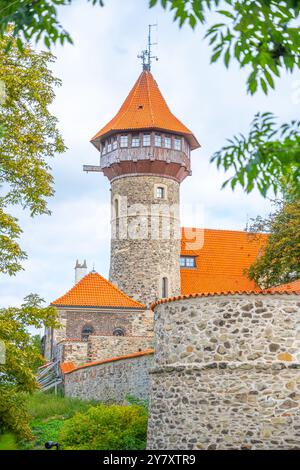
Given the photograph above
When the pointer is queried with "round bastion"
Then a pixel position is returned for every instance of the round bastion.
(227, 372)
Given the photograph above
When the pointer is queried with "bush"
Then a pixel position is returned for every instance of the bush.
(106, 427)
(13, 414)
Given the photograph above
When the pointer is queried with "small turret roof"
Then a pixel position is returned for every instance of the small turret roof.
(145, 108)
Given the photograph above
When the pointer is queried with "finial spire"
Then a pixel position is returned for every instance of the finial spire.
(146, 54)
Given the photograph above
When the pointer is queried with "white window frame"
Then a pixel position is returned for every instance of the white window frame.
(168, 139)
(177, 140)
(135, 141)
(146, 139)
(157, 138)
(123, 139)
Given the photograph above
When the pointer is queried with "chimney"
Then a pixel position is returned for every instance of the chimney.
(80, 270)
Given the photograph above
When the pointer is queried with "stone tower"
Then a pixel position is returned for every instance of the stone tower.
(145, 153)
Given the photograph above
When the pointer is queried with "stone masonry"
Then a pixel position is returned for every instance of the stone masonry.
(98, 346)
(145, 244)
(111, 381)
(227, 373)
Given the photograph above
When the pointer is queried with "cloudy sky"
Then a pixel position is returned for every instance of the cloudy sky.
(97, 73)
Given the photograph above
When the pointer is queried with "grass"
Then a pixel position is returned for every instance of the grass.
(42, 406)
(8, 442)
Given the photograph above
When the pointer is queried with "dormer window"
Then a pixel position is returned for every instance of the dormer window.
(135, 141)
(187, 261)
(157, 140)
(168, 142)
(124, 141)
(177, 143)
(146, 140)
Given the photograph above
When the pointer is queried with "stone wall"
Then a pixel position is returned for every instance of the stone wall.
(142, 252)
(104, 347)
(72, 351)
(111, 381)
(227, 373)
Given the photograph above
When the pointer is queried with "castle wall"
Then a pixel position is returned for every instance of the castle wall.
(111, 381)
(143, 250)
(227, 373)
(72, 351)
(104, 347)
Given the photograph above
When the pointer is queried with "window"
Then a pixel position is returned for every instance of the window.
(124, 141)
(103, 148)
(157, 140)
(115, 143)
(135, 141)
(116, 208)
(119, 332)
(164, 287)
(160, 192)
(109, 146)
(146, 140)
(87, 330)
(168, 142)
(187, 261)
(177, 143)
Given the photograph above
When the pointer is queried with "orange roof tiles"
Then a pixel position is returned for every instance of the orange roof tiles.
(293, 286)
(238, 292)
(66, 367)
(105, 361)
(221, 259)
(94, 290)
(145, 108)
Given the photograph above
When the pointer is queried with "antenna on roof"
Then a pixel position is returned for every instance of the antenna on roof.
(146, 54)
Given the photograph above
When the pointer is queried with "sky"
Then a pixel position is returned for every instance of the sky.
(97, 73)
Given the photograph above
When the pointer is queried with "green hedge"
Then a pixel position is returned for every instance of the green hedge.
(106, 427)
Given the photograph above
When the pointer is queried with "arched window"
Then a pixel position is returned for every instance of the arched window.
(119, 332)
(164, 287)
(86, 331)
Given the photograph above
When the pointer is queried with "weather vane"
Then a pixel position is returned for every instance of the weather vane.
(146, 54)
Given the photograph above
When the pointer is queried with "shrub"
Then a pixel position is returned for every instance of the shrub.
(13, 414)
(106, 427)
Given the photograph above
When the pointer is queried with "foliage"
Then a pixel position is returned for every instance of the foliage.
(132, 400)
(21, 359)
(106, 427)
(42, 406)
(30, 137)
(8, 442)
(280, 262)
(13, 415)
(35, 20)
(268, 157)
(260, 34)
(42, 432)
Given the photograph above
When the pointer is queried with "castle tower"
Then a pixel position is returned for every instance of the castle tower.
(145, 153)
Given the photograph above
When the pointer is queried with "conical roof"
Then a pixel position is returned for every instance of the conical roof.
(145, 108)
(94, 290)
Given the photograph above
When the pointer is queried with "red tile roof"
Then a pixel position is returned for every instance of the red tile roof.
(221, 258)
(106, 361)
(94, 290)
(293, 286)
(145, 108)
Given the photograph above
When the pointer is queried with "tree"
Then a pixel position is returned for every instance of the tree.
(280, 262)
(268, 157)
(29, 138)
(20, 359)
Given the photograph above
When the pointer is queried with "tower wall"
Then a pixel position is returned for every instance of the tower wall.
(145, 242)
(227, 373)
